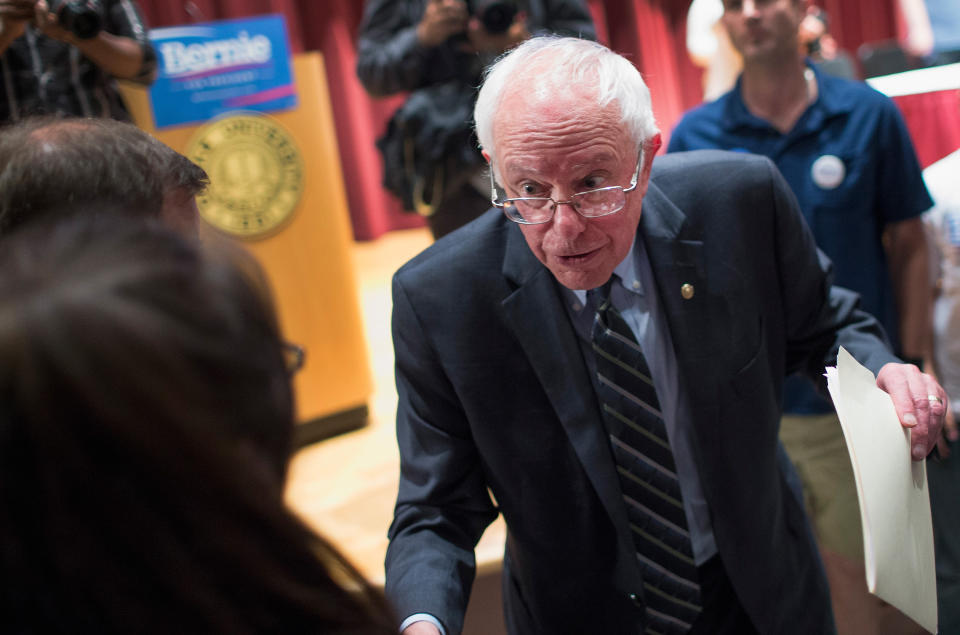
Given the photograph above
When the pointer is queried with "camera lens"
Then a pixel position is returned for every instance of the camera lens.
(80, 18)
(496, 15)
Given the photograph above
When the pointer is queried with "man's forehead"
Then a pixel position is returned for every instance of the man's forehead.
(539, 97)
(533, 162)
(555, 118)
(571, 142)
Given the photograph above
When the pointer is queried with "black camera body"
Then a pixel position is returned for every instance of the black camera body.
(83, 18)
(495, 15)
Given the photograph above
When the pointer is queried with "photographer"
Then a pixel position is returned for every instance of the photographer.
(63, 56)
(437, 50)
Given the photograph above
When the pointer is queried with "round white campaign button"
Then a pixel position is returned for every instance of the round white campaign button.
(828, 171)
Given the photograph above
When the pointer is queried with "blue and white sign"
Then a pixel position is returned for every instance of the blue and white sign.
(207, 69)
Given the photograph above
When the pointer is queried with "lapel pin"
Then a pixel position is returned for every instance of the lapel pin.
(686, 290)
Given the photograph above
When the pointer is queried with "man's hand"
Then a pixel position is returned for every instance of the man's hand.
(49, 25)
(14, 16)
(920, 402)
(117, 55)
(441, 19)
(950, 434)
(479, 40)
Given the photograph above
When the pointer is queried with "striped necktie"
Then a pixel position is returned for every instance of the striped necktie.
(648, 476)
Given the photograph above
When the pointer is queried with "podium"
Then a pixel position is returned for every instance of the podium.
(307, 260)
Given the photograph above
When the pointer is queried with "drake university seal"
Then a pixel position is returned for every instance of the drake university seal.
(256, 174)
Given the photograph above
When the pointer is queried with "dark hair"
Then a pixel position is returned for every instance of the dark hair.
(145, 419)
(49, 166)
(179, 172)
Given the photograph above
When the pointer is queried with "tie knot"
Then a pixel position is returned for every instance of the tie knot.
(599, 298)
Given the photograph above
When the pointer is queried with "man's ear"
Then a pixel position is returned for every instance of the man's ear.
(653, 145)
(486, 156)
(650, 148)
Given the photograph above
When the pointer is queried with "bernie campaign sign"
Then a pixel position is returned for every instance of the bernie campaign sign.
(207, 69)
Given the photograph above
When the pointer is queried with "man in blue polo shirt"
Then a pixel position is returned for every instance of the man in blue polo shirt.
(846, 154)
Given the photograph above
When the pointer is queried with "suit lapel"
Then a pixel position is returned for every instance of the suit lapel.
(551, 347)
(679, 269)
(695, 323)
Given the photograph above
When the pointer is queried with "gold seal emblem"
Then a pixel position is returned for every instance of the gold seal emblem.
(256, 174)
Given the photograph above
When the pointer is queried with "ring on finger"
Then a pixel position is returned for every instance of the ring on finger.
(934, 399)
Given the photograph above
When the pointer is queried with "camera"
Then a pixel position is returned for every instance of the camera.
(495, 15)
(83, 18)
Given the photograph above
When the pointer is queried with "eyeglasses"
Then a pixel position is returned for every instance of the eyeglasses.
(590, 204)
(293, 356)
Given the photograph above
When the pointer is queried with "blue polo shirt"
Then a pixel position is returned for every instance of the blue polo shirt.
(850, 162)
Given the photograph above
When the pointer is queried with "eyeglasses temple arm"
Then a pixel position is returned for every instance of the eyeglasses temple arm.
(636, 173)
(493, 190)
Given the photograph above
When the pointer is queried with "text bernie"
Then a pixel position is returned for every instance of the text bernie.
(187, 59)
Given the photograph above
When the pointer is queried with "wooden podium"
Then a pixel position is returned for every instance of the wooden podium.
(308, 260)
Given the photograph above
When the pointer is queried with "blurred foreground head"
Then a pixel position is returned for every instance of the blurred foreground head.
(145, 424)
(51, 167)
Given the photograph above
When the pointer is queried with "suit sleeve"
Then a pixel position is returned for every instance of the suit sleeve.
(443, 505)
(818, 317)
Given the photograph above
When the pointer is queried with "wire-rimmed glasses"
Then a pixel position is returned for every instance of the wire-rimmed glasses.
(590, 204)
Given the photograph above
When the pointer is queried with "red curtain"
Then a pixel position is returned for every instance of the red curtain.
(853, 22)
(652, 33)
(933, 123)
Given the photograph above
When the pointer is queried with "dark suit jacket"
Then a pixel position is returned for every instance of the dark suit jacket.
(495, 398)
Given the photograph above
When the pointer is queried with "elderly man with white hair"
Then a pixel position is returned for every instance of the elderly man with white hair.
(601, 361)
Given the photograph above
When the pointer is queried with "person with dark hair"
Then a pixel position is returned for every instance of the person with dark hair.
(183, 181)
(146, 417)
(63, 57)
(50, 165)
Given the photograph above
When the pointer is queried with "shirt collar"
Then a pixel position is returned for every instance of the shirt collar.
(831, 100)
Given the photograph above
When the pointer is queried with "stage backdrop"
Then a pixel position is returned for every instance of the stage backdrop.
(650, 32)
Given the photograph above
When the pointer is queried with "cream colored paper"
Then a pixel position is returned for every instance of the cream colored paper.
(892, 489)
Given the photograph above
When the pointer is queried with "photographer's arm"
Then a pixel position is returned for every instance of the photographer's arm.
(121, 48)
(120, 56)
(400, 50)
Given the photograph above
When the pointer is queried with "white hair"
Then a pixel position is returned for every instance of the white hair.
(550, 65)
